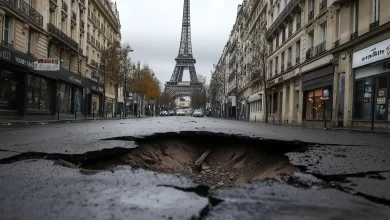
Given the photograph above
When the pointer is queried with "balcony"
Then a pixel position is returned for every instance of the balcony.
(297, 60)
(323, 5)
(311, 15)
(53, 4)
(290, 31)
(320, 47)
(25, 10)
(81, 50)
(74, 17)
(354, 35)
(282, 68)
(374, 25)
(291, 6)
(61, 36)
(289, 64)
(336, 43)
(310, 53)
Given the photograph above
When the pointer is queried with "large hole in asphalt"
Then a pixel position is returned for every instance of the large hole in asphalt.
(216, 160)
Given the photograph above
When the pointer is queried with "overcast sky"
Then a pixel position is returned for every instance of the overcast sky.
(153, 27)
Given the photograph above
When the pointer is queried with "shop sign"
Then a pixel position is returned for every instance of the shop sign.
(374, 53)
(47, 64)
(74, 79)
(16, 58)
(97, 88)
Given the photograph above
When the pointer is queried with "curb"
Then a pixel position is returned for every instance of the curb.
(44, 122)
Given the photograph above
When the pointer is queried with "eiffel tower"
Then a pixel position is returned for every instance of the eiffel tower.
(184, 61)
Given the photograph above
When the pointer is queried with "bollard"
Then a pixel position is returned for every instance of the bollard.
(75, 115)
(324, 123)
(58, 113)
(93, 113)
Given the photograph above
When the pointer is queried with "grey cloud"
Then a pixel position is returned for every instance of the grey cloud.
(153, 27)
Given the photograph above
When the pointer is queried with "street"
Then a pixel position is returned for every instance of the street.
(71, 171)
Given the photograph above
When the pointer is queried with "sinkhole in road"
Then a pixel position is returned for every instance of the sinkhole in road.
(217, 160)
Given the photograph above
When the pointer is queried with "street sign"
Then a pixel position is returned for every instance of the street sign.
(47, 64)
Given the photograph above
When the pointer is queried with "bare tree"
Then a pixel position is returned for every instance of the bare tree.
(257, 64)
(216, 90)
(198, 98)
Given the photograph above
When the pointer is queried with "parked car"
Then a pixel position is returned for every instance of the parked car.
(198, 113)
(180, 112)
(171, 113)
(163, 113)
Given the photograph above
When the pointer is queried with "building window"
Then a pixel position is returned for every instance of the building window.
(316, 107)
(270, 68)
(289, 57)
(375, 10)
(8, 31)
(29, 41)
(282, 61)
(298, 51)
(276, 65)
(65, 97)
(310, 39)
(38, 93)
(324, 30)
(338, 24)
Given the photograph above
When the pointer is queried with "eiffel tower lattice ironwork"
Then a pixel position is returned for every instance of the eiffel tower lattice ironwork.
(184, 61)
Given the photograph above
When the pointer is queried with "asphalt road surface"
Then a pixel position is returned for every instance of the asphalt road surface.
(343, 175)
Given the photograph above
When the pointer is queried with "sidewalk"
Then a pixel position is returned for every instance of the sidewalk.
(40, 120)
(364, 130)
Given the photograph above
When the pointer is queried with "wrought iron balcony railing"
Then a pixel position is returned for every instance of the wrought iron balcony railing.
(310, 53)
(323, 5)
(285, 13)
(288, 64)
(311, 15)
(24, 9)
(320, 47)
(62, 37)
(374, 25)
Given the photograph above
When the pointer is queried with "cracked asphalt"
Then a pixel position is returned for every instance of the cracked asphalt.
(343, 175)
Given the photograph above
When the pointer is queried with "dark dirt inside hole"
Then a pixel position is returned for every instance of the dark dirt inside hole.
(232, 160)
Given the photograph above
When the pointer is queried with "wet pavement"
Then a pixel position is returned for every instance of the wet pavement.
(343, 175)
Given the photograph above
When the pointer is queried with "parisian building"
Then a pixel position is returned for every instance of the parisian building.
(32, 29)
(328, 63)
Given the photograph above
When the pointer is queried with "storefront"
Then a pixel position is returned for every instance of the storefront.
(23, 91)
(96, 98)
(371, 83)
(317, 88)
